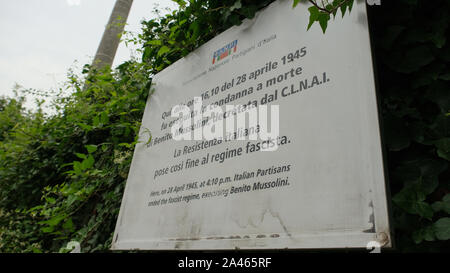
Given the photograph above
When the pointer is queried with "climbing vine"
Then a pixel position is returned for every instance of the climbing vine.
(62, 175)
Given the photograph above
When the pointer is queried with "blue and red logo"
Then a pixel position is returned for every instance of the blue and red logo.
(225, 51)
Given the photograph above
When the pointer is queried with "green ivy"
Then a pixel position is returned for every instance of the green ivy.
(65, 173)
(413, 54)
(62, 176)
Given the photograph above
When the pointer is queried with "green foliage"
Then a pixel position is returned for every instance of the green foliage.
(62, 176)
(413, 57)
(167, 39)
(321, 11)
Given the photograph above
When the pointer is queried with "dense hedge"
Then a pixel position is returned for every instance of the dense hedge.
(62, 176)
(413, 55)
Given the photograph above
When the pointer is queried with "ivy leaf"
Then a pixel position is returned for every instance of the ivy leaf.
(412, 200)
(195, 30)
(295, 3)
(84, 126)
(323, 20)
(50, 200)
(147, 53)
(343, 10)
(163, 50)
(71, 199)
(313, 16)
(334, 11)
(154, 42)
(47, 229)
(36, 250)
(104, 118)
(443, 146)
(82, 156)
(87, 163)
(96, 121)
(77, 167)
(54, 220)
(421, 176)
(442, 228)
(91, 148)
(443, 205)
(350, 5)
(422, 234)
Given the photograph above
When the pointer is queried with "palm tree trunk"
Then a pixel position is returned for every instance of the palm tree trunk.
(111, 37)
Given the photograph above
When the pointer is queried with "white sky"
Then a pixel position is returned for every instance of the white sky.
(41, 39)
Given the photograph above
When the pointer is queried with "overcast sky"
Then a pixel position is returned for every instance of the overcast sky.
(41, 39)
